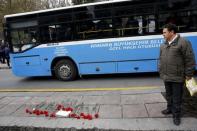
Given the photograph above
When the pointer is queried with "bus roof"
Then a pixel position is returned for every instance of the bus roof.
(62, 8)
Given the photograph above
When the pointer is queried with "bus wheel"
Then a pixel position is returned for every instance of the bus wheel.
(65, 70)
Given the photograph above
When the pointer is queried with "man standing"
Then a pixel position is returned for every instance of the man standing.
(2, 55)
(176, 64)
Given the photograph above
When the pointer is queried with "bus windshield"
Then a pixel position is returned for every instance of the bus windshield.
(23, 35)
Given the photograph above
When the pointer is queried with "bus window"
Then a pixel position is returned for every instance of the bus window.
(52, 33)
(15, 41)
(23, 39)
(48, 33)
(81, 14)
(183, 20)
(148, 24)
(23, 35)
(193, 19)
(94, 23)
(64, 32)
(125, 22)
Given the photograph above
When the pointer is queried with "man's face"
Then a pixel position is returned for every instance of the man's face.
(167, 34)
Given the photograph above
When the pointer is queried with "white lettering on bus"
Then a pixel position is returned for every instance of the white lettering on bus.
(128, 45)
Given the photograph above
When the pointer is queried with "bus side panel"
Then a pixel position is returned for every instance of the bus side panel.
(88, 54)
(98, 68)
(28, 66)
(90, 60)
(125, 56)
(137, 66)
(34, 62)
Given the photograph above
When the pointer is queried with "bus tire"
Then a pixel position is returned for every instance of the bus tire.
(65, 70)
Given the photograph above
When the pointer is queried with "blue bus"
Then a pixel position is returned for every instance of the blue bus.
(97, 38)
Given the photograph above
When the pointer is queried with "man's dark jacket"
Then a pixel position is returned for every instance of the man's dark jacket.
(176, 60)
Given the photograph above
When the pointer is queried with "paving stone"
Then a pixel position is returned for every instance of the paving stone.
(91, 99)
(110, 111)
(87, 109)
(21, 112)
(154, 109)
(142, 98)
(23, 121)
(20, 100)
(3, 94)
(73, 99)
(56, 99)
(70, 123)
(6, 120)
(159, 124)
(87, 93)
(37, 100)
(6, 100)
(67, 101)
(33, 122)
(134, 111)
(52, 123)
(1, 97)
(2, 105)
(9, 109)
(99, 124)
(112, 99)
(30, 94)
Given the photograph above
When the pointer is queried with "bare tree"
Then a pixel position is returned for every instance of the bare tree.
(17, 6)
(47, 4)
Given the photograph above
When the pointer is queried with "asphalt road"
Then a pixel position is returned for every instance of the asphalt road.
(145, 80)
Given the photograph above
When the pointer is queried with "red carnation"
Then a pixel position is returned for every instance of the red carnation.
(27, 111)
(96, 115)
(52, 115)
(73, 115)
(59, 107)
(85, 117)
(46, 113)
(37, 112)
(69, 109)
(89, 117)
(66, 109)
(78, 117)
(41, 112)
(34, 111)
(82, 114)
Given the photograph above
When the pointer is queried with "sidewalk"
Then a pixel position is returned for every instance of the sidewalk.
(3, 66)
(118, 110)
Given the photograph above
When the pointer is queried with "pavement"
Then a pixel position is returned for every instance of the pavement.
(117, 110)
(3, 66)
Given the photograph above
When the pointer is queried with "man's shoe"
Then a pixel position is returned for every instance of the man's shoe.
(177, 121)
(166, 112)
